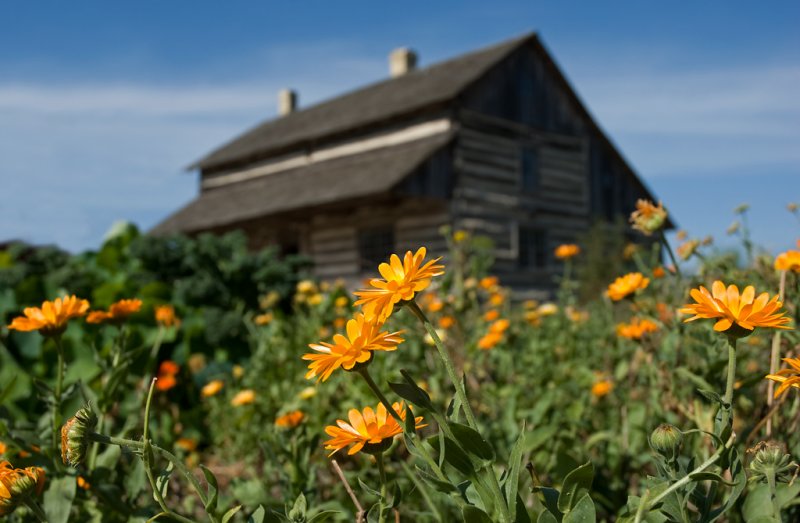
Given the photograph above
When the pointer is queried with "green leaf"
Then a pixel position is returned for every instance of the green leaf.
(397, 495)
(323, 516)
(229, 514)
(258, 515)
(368, 489)
(298, 511)
(576, 484)
(58, 499)
(712, 396)
(546, 517)
(583, 512)
(550, 498)
(511, 486)
(440, 485)
(710, 476)
(471, 440)
(457, 458)
(472, 514)
(213, 489)
(740, 479)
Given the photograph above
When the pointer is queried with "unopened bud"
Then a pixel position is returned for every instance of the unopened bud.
(666, 439)
(75, 436)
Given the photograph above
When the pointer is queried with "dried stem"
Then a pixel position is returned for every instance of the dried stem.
(360, 512)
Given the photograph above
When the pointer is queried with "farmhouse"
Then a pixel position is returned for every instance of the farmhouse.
(495, 142)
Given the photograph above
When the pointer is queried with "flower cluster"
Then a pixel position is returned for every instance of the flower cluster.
(117, 313)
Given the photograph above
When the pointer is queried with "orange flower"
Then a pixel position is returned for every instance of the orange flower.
(787, 377)
(496, 299)
(446, 322)
(17, 485)
(489, 340)
(788, 261)
(489, 282)
(244, 397)
(165, 315)
(117, 313)
(363, 337)
(402, 280)
(647, 217)
(567, 251)
(601, 388)
(627, 285)
(264, 319)
(370, 430)
(187, 444)
(82, 483)
(737, 313)
(636, 329)
(687, 248)
(491, 315)
(499, 326)
(51, 319)
(436, 305)
(212, 388)
(166, 375)
(290, 420)
(659, 272)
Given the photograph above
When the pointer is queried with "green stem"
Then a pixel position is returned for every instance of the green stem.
(687, 478)
(773, 495)
(461, 394)
(423, 490)
(727, 414)
(36, 509)
(670, 253)
(379, 394)
(383, 506)
(57, 393)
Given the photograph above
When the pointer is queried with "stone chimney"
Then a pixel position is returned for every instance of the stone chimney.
(287, 101)
(401, 61)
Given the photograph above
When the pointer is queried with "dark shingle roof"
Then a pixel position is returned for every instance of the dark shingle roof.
(387, 99)
(340, 179)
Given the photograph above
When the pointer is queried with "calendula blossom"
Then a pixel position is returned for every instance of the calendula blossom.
(602, 388)
(636, 329)
(244, 397)
(648, 218)
(788, 261)
(17, 485)
(363, 338)
(166, 375)
(117, 313)
(787, 377)
(165, 315)
(290, 420)
(567, 251)
(51, 319)
(212, 388)
(736, 314)
(370, 430)
(401, 281)
(489, 340)
(626, 285)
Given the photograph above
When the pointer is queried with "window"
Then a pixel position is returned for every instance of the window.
(530, 169)
(532, 248)
(374, 247)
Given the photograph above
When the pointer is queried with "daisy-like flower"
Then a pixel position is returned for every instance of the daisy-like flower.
(17, 485)
(369, 430)
(117, 313)
(363, 337)
(567, 251)
(788, 261)
(165, 315)
(244, 397)
(738, 314)
(627, 285)
(51, 319)
(787, 377)
(489, 340)
(212, 388)
(401, 281)
(648, 218)
(636, 329)
(166, 375)
(290, 420)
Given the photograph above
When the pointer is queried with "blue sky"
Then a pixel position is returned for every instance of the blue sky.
(102, 104)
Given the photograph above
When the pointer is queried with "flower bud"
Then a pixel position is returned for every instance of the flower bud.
(666, 440)
(75, 436)
(771, 460)
(17, 485)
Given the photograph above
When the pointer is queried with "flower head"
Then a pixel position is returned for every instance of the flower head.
(787, 377)
(290, 420)
(602, 387)
(166, 375)
(117, 313)
(738, 313)
(165, 315)
(75, 436)
(788, 261)
(489, 340)
(370, 430)
(17, 485)
(51, 319)
(212, 388)
(648, 218)
(627, 285)
(567, 251)
(636, 329)
(687, 248)
(363, 337)
(401, 281)
(244, 397)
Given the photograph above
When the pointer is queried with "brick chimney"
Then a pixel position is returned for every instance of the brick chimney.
(401, 61)
(287, 101)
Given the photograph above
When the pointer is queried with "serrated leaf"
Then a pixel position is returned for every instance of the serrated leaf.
(472, 441)
(577, 483)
